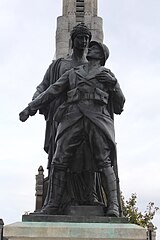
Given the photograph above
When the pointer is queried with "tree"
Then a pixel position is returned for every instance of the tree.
(131, 211)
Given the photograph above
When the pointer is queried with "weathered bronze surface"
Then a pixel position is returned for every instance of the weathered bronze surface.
(79, 99)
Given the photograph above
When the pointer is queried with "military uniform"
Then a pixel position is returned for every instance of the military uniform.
(85, 113)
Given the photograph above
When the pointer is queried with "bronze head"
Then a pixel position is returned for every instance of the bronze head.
(80, 29)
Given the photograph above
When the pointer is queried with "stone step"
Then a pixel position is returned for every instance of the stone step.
(33, 217)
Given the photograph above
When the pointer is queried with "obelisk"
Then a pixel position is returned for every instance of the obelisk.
(74, 12)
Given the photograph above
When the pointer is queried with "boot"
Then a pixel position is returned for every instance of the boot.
(91, 181)
(56, 186)
(110, 188)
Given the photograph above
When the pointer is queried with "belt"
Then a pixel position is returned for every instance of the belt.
(77, 95)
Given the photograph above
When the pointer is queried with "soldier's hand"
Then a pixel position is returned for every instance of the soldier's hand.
(24, 115)
(107, 77)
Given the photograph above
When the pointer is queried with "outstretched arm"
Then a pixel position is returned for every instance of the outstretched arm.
(46, 97)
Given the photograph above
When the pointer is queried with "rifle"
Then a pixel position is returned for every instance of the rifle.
(114, 162)
(115, 167)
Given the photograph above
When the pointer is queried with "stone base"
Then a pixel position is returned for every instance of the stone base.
(77, 214)
(85, 210)
(73, 231)
(33, 217)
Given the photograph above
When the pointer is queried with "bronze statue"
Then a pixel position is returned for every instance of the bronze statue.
(93, 95)
(80, 37)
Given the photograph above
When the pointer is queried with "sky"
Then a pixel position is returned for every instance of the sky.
(27, 47)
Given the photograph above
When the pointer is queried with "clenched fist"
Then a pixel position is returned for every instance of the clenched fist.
(24, 115)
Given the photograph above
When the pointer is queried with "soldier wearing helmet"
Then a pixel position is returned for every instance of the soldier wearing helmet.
(104, 51)
(93, 96)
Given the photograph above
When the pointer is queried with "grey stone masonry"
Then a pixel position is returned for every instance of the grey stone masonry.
(73, 231)
(74, 12)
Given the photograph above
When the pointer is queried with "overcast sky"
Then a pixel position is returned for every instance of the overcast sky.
(27, 47)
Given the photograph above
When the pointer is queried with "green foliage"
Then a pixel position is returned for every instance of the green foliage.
(131, 211)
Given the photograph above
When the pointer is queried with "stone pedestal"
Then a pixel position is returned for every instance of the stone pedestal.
(73, 231)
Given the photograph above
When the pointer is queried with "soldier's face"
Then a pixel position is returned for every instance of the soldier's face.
(94, 52)
(81, 41)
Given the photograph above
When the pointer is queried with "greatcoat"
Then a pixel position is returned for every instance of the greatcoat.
(87, 96)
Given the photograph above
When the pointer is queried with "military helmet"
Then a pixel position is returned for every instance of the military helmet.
(104, 49)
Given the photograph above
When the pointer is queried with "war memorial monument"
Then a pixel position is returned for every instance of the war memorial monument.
(78, 96)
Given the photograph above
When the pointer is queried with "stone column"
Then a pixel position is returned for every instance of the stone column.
(65, 24)
(74, 12)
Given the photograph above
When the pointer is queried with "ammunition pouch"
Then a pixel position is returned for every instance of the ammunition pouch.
(95, 94)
